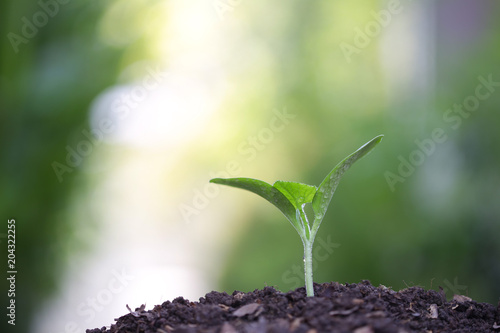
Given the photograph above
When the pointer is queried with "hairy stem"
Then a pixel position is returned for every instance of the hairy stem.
(305, 223)
(308, 269)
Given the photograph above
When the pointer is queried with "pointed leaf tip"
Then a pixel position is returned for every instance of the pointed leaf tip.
(328, 186)
(266, 191)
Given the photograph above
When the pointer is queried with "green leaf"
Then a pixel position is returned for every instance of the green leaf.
(268, 192)
(325, 191)
(297, 193)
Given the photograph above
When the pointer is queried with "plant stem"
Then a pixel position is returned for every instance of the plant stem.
(308, 269)
(305, 223)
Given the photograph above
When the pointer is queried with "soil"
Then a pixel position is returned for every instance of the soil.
(358, 308)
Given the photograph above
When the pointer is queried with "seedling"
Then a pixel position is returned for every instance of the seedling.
(291, 199)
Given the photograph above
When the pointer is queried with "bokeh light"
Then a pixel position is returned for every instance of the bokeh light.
(115, 115)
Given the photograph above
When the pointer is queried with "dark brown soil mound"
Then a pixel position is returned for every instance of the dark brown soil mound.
(359, 308)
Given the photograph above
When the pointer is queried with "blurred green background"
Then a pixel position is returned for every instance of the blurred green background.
(115, 114)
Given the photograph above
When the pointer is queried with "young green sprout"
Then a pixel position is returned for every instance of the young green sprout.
(291, 198)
